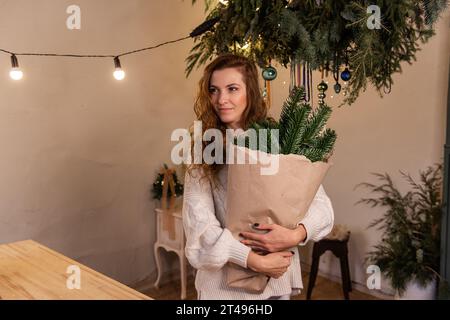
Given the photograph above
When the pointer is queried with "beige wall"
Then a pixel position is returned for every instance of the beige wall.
(80, 150)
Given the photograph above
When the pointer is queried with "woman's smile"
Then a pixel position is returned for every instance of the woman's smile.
(226, 109)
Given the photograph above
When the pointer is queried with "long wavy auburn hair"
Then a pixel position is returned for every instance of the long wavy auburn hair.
(256, 109)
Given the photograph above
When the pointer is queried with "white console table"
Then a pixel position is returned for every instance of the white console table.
(176, 245)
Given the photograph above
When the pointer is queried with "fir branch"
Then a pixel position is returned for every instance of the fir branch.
(317, 122)
(321, 35)
(300, 130)
(294, 126)
(288, 112)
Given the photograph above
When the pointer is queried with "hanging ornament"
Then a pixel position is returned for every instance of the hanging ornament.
(346, 75)
(337, 86)
(301, 75)
(269, 73)
(266, 94)
(322, 87)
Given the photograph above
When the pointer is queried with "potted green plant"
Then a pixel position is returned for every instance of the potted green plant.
(409, 250)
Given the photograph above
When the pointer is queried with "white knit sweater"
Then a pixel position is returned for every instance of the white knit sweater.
(209, 246)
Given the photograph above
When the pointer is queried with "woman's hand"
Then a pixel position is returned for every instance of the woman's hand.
(273, 265)
(277, 238)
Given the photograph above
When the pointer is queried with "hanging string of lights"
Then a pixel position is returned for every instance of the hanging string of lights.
(119, 74)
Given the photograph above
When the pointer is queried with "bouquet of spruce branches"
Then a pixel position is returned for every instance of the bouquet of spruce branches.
(301, 148)
(301, 130)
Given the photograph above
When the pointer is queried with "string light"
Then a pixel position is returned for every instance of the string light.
(15, 73)
(119, 74)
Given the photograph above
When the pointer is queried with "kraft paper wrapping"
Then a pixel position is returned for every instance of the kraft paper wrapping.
(282, 198)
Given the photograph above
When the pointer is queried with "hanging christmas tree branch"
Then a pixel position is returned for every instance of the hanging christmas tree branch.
(301, 130)
(327, 34)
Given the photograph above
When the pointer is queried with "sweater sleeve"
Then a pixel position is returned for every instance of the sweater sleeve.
(208, 245)
(319, 219)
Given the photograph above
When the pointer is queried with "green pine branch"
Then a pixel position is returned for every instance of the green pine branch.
(301, 130)
(325, 35)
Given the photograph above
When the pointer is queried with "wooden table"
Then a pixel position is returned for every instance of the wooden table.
(29, 270)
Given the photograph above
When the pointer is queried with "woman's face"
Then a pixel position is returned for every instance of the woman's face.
(228, 95)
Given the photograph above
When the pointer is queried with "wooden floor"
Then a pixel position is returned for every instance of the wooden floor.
(323, 290)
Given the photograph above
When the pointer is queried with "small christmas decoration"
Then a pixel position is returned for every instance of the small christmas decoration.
(166, 188)
(322, 87)
(269, 73)
(157, 189)
(337, 87)
(346, 75)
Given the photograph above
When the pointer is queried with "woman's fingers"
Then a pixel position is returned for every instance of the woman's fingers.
(277, 274)
(287, 253)
(259, 249)
(252, 243)
(252, 236)
(263, 226)
(286, 258)
(277, 263)
(287, 263)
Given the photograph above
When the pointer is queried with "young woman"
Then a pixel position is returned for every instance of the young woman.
(229, 97)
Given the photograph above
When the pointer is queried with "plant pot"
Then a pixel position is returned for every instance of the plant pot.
(415, 291)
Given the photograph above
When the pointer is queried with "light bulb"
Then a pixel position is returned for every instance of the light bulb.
(119, 74)
(15, 73)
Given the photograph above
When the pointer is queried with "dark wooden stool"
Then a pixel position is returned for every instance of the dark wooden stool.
(340, 250)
